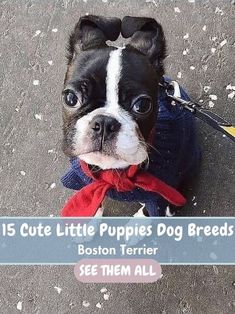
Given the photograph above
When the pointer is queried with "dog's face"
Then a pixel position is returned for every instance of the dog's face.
(110, 94)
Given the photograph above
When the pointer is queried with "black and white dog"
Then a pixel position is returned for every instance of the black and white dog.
(110, 94)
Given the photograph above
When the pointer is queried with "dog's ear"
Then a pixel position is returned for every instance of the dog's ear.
(147, 37)
(92, 32)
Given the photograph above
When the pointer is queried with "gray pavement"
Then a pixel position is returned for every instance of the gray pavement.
(32, 66)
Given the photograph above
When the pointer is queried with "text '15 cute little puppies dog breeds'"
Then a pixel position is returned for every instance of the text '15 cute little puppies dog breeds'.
(122, 134)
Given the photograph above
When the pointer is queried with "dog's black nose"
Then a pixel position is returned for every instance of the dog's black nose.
(105, 126)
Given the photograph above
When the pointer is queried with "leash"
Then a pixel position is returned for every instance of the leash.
(172, 91)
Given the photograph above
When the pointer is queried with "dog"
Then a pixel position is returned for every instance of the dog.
(115, 116)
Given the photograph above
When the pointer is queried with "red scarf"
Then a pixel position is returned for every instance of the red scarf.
(86, 202)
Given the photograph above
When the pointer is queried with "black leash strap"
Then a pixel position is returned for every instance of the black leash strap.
(200, 112)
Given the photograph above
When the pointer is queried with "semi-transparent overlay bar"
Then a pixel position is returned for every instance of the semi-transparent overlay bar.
(174, 241)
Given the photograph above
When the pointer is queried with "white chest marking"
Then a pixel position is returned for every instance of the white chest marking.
(114, 68)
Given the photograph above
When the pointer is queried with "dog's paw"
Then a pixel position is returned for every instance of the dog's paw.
(142, 212)
(169, 212)
(99, 212)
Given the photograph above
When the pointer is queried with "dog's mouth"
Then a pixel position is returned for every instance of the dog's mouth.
(102, 161)
(104, 157)
(97, 146)
(113, 158)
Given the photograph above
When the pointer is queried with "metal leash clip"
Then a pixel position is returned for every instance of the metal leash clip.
(172, 91)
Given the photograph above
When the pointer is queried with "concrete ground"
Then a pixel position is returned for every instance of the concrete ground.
(200, 37)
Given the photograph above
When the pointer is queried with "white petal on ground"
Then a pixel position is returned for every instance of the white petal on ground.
(35, 82)
(211, 104)
(186, 36)
(52, 186)
(213, 97)
(219, 11)
(54, 30)
(98, 305)
(231, 95)
(179, 74)
(103, 290)
(192, 67)
(50, 62)
(23, 173)
(177, 10)
(223, 42)
(58, 289)
(38, 32)
(19, 306)
(206, 89)
(230, 87)
(152, 1)
(185, 51)
(106, 296)
(204, 28)
(38, 116)
(85, 303)
(213, 50)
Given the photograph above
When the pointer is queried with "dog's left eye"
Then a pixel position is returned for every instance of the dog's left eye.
(142, 105)
(70, 98)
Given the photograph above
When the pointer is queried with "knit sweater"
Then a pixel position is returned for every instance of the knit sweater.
(174, 158)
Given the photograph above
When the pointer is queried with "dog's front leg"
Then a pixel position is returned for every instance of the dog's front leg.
(100, 211)
(169, 211)
(142, 212)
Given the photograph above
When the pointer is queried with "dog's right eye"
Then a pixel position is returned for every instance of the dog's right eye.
(70, 98)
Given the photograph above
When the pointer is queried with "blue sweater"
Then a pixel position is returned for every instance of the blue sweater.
(174, 160)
